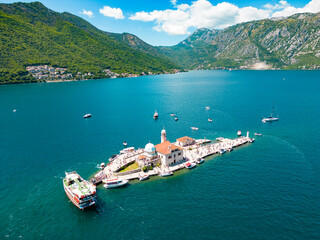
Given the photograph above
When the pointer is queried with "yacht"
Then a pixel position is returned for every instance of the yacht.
(155, 115)
(210, 119)
(271, 118)
(190, 165)
(81, 193)
(143, 177)
(87, 115)
(194, 128)
(114, 183)
(200, 160)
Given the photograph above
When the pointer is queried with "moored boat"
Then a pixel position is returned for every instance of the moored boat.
(257, 134)
(125, 143)
(165, 173)
(239, 133)
(88, 115)
(199, 160)
(82, 193)
(143, 177)
(189, 165)
(222, 151)
(114, 183)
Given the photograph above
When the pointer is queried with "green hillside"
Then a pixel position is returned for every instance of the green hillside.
(31, 34)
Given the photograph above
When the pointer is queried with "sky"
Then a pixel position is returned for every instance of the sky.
(167, 22)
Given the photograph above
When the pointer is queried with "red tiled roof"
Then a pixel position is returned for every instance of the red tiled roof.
(183, 139)
(166, 147)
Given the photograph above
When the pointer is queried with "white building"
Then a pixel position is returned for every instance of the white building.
(169, 153)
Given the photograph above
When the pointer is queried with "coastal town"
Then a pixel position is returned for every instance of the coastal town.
(48, 73)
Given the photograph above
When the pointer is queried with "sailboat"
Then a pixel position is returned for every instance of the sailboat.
(272, 118)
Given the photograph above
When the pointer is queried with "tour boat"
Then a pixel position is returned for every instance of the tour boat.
(114, 183)
(222, 151)
(271, 118)
(210, 119)
(82, 193)
(143, 177)
(176, 119)
(239, 133)
(194, 128)
(125, 143)
(257, 134)
(165, 173)
(87, 115)
(207, 107)
(189, 165)
(172, 114)
(155, 115)
(200, 160)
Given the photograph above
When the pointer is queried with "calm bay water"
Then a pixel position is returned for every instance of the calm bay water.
(266, 190)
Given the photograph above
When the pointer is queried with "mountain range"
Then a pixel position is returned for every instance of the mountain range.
(31, 34)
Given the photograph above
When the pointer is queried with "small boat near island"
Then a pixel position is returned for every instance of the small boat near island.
(82, 193)
(155, 115)
(222, 151)
(176, 119)
(200, 160)
(194, 128)
(125, 143)
(165, 173)
(88, 115)
(271, 118)
(257, 134)
(239, 133)
(144, 177)
(114, 183)
(210, 120)
(207, 107)
(190, 165)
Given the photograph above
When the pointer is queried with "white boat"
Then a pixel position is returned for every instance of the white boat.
(207, 107)
(102, 165)
(125, 143)
(176, 119)
(194, 128)
(189, 165)
(114, 183)
(87, 115)
(14, 110)
(239, 133)
(257, 134)
(271, 118)
(81, 193)
(222, 151)
(113, 157)
(172, 114)
(165, 173)
(199, 160)
(251, 140)
(143, 177)
(229, 149)
(155, 115)
(210, 119)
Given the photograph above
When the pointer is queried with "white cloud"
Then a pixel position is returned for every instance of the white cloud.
(112, 12)
(202, 13)
(88, 13)
(173, 2)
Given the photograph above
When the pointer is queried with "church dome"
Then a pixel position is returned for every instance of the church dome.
(150, 149)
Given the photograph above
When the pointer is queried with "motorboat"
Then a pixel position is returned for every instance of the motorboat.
(207, 107)
(257, 134)
(14, 110)
(102, 165)
(165, 173)
(114, 183)
(199, 160)
(251, 140)
(239, 133)
(190, 165)
(143, 177)
(194, 128)
(88, 115)
(81, 193)
(125, 143)
(172, 114)
(210, 119)
(272, 118)
(229, 149)
(155, 115)
(176, 119)
(222, 151)
(113, 157)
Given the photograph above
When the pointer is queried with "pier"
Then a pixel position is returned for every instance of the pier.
(195, 149)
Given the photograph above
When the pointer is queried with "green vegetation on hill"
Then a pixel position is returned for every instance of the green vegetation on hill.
(31, 34)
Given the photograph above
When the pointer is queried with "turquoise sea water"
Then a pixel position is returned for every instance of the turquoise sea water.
(265, 190)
